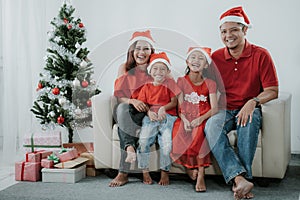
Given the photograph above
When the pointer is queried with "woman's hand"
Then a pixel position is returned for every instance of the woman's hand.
(139, 105)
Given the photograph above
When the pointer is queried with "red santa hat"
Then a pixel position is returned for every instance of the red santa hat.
(235, 14)
(144, 35)
(205, 50)
(158, 57)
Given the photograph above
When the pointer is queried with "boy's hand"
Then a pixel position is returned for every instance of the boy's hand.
(152, 115)
(161, 114)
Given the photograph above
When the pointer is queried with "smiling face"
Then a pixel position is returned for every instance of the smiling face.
(142, 52)
(233, 35)
(159, 72)
(196, 61)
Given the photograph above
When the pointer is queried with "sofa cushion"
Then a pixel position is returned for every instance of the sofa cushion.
(231, 135)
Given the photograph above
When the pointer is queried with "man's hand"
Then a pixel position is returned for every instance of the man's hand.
(246, 113)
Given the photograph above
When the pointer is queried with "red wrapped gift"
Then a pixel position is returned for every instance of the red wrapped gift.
(47, 163)
(69, 155)
(33, 157)
(37, 156)
(44, 140)
(27, 171)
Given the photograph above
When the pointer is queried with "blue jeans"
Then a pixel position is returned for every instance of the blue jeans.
(233, 163)
(149, 131)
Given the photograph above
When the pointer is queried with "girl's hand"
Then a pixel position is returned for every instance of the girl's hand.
(187, 125)
(152, 115)
(139, 105)
(196, 122)
(161, 114)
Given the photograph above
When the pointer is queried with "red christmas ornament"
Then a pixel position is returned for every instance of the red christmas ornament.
(89, 103)
(40, 85)
(84, 83)
(69, 26)
(60, 120)
(80, 25)
(55, 91)
(65, 20)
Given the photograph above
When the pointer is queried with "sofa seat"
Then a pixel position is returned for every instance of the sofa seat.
(272, 153)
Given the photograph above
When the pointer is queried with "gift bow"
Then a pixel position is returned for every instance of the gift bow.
(63, 150)
(53, 157)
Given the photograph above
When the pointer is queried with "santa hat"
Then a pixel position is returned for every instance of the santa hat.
(144, 35)
(158, 57)
(205, 50)
(236, 14)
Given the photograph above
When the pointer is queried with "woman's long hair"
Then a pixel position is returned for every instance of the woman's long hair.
(130, 62)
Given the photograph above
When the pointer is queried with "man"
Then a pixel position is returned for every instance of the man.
(249, 79)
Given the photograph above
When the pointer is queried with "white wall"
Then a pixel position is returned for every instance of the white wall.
(275, 27)
(1, 80)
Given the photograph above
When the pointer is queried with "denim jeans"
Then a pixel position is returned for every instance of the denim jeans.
(233, 163)
(129, 121)
(163, 131)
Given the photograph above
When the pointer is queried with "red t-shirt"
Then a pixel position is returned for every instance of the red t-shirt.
(245, 78)
(160, 95)
(129, 85)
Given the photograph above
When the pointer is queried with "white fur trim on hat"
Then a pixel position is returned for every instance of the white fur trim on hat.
(234, 19)
(156, 61)
(151, 42)
(208, 58)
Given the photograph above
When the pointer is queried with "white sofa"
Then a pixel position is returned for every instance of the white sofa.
(272, 154)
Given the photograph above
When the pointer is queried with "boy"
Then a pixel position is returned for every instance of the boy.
(161, 97)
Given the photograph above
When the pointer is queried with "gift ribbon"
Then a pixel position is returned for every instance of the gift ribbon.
(53, 157)
(63, 150)
(22, 171)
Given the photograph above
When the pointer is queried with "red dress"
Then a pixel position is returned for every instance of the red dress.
(191, 149)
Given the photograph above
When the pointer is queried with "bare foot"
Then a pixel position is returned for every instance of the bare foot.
(250, 195)
(147, 178)
(242, 188)
(119, 180)
(164, 178)
(131, 155)
(200, 184)
(192, 173)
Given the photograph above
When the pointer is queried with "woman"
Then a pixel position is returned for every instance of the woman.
(132, 75)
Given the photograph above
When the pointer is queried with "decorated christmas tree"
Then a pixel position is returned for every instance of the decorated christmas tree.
(65, 87)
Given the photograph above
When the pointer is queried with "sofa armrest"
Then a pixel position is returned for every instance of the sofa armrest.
(102, 130)
(276, 136)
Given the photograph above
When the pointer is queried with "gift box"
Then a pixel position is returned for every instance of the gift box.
(36, 156)
(90, 164)
(68, 155)
(27, 171)
(72, 175)
(45, 163)
(81, 147)
(44, 140)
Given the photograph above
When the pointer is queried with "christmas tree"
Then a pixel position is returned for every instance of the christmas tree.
(65, 87)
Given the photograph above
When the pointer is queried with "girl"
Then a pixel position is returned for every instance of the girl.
(196, 103)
